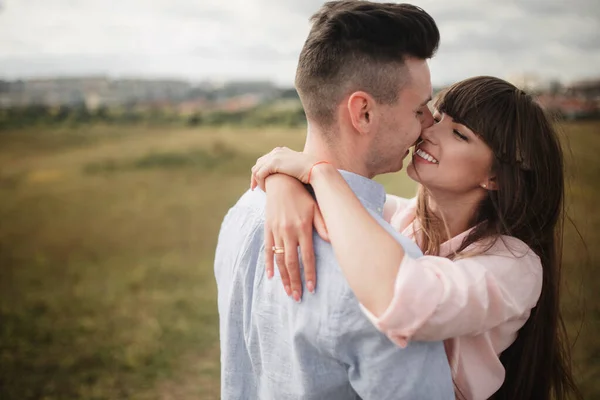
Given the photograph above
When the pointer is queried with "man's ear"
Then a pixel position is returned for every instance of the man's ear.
(361, 107)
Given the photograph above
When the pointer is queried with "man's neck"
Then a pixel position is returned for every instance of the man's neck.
(456, 211)
(338, 152)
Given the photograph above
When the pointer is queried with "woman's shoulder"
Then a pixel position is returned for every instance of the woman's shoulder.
(514, 246)
(508, 250)
(400, 202)
(397, 207)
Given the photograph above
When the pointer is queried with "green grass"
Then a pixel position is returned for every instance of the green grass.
(107, 239)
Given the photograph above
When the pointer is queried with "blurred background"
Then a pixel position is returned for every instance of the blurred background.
(127, 129)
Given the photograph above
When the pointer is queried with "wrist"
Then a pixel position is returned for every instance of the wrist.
(281, 181)
(321, 171)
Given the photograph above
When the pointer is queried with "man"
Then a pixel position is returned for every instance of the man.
(364, 83)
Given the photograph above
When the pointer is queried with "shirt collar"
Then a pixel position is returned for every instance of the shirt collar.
(370, 193)
(412, 229)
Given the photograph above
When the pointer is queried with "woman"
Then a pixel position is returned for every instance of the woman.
(488, 217)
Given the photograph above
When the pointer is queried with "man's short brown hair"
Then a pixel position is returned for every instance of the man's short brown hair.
(360, 45)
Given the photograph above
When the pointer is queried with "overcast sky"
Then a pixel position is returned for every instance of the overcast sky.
(261, 39)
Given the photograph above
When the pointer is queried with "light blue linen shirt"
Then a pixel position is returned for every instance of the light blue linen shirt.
(321, 348)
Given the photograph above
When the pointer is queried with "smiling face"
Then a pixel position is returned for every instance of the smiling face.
(451, 158)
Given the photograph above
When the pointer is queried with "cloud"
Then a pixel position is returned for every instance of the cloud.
(262, 38)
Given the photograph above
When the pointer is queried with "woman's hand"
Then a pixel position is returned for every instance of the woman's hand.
(357, 239)
(291, 213)
(284, 161)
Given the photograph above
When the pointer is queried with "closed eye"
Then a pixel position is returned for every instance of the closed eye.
(460, 135)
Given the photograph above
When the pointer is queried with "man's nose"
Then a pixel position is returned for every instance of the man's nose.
(428, 130)
(427, 118)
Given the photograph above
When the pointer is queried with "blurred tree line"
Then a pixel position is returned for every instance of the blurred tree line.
(43, 115)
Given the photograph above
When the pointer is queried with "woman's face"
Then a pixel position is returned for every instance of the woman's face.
(451, 158)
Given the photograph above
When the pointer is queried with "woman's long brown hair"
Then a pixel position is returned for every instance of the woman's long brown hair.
(528, 205)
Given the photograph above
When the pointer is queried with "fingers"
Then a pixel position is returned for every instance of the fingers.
(285, 278)
(293, 266)
(280, 160)
(263, 168)
(253, 182)
(280, 259)
(308, 258)
(269, 243)
(319, 224)
(260, 175)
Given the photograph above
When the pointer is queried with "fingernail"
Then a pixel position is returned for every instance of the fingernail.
(296, 296)
(269, 274)
(310, 286)
(288, 290)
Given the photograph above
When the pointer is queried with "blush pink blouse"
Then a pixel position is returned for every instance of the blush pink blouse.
(476, 304)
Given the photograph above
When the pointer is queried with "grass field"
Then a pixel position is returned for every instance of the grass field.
(107, 239)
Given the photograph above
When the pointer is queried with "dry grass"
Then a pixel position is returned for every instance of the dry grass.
(106, 246)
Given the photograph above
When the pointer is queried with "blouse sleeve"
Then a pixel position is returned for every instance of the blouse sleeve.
(436, 298)
(394, 204)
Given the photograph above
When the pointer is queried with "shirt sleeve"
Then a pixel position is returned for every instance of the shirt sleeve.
(378, 369)
(436, 298)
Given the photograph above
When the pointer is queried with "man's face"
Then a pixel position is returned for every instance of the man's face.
(403, 121)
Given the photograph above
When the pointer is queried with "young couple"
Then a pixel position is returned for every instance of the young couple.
(452, 294)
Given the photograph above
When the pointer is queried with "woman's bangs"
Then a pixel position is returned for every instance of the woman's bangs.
(473, 103)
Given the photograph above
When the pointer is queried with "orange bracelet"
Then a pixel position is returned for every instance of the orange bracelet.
(314, 165)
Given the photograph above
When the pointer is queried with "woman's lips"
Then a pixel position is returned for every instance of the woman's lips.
(422, 155)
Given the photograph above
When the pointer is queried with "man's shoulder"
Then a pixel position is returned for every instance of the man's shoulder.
(250, 206)
(243, 223)
(253, 199)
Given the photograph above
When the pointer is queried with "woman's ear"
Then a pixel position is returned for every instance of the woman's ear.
(361, 107)
(490, 183)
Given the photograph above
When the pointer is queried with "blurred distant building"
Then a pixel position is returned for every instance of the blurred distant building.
(96, 92)
(529, 82)
(93, 101)
(91, 91)
(51, 92)
(240, 103)
(578, 100)
(189, 107)
(588, 89)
